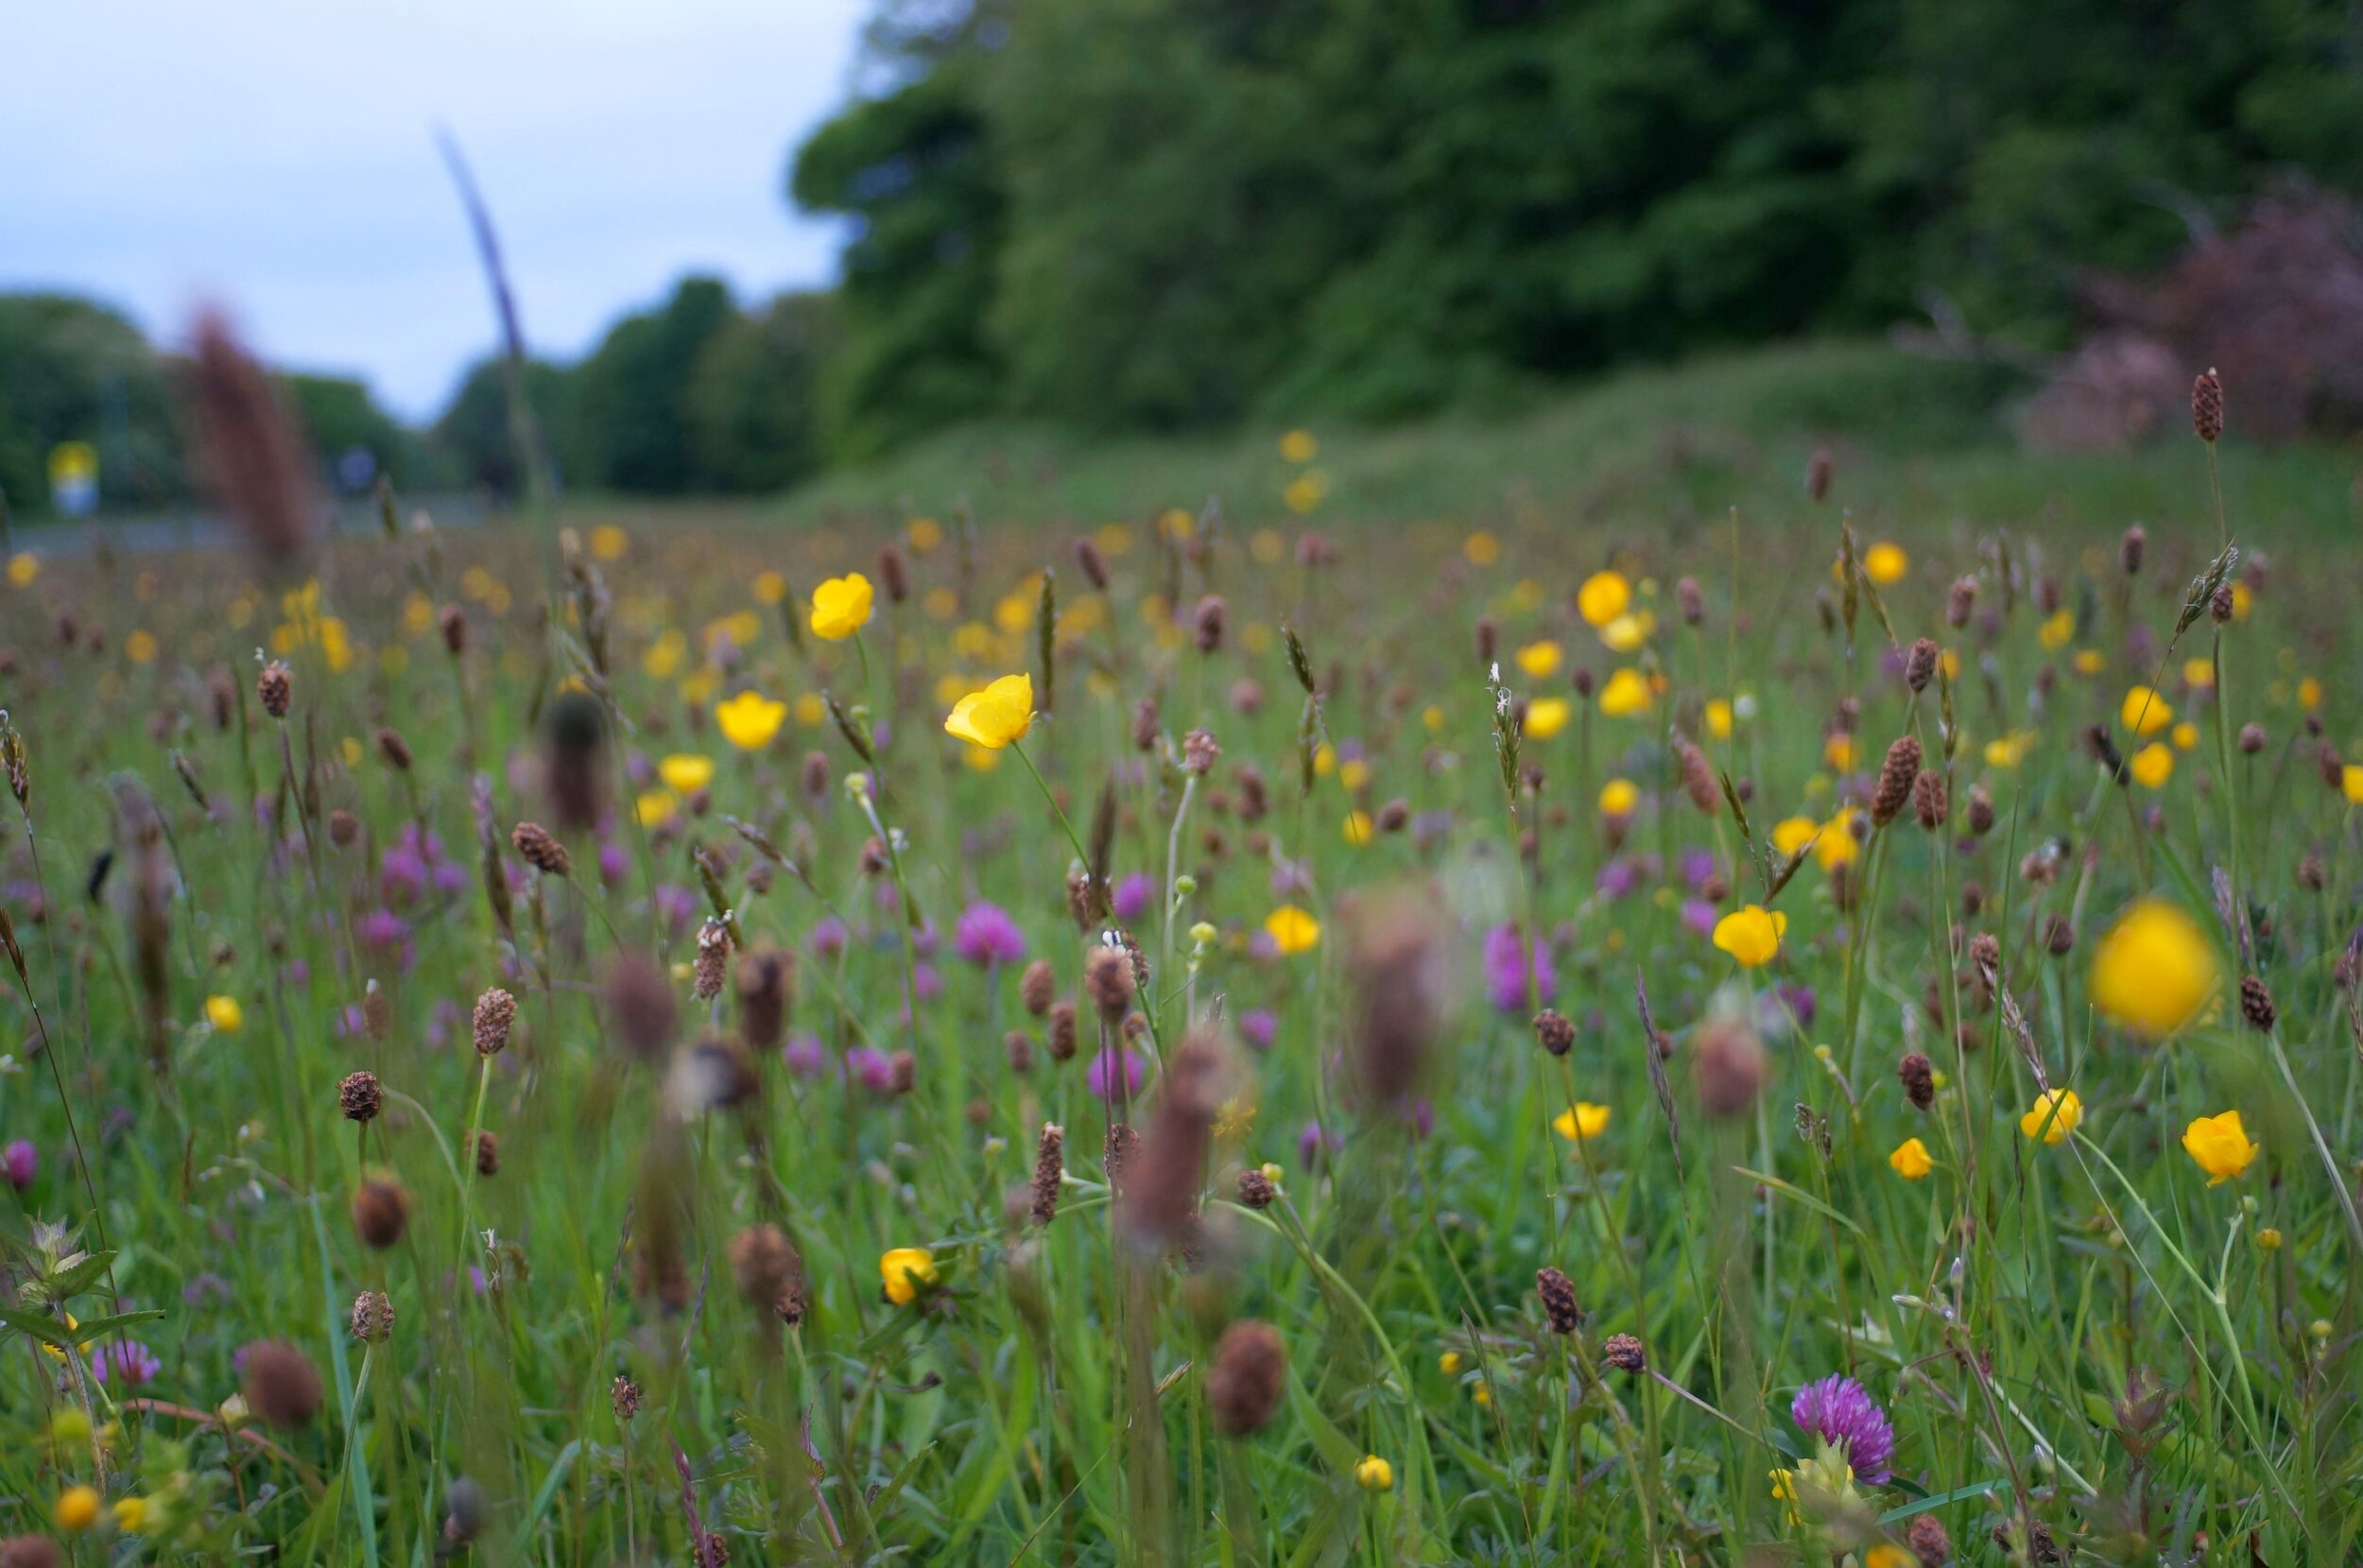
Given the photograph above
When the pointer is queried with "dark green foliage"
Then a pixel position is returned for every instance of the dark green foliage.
(71, 370)
(749, 401)
(474, 432)
(1183, 212)
(631, 398)
(338, 415)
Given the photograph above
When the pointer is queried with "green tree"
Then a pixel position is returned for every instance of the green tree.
(71, 371)
(472, 438)
(752, 394)
(631, 427)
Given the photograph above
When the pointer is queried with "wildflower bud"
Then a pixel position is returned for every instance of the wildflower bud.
(1247, 1378)
(894, 573)
(2220, 604)
(2129, 549)
(2252, 739)
(1818, 474)
(2207, 405)
(359, 1098)
(343, 828)
(1255, 1189)
(1037, 987)
(1958, 600)
(1254, 796)
(2313, 876)
(1927, 1537)
(764, 1267)
(1553, 1031)
(1199, 751)
(2268, 1239)
(1919, 1080)
(1691, 600)
(1919, 665)
(372, 1317)
(1145, 725)
(464, 1512)
(1559, 1299)
(1985, 953)
(1624, 1352)
(1895, 780)
(381, 1211)
(540, 851)
(1212, 615)
(2330, 766)
(1093, 564)
(495, 1013)
(275, 689)
(1583, 681)
(623, 1397)
(1049, 1169)
(455, 624)
(1487, 642)
(395, 749)
(1727, 1061)
(1931, 801)
(1108, 981)
(1058, 1031)
(639, 999)
(713, 960)
(378, 1013)
(2256, 1004)
(486, 1151)
(282, 1387)
(1019, 1047)
(1980, 814)
(2059, 937)
(903, 1072)
(2104, 749)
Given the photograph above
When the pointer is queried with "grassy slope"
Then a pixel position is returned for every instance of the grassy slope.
(1655, 446)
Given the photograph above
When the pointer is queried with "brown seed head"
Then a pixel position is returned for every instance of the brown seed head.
(1108, 981)
(2207, 405)
(767, 980)
(1624, 1353)
(1931, 801)
(1918, 1079)
(1093, 564)
(495, 1013)
(1958, 601)
(2129, 548)
(540, 851)
(1255, 1188)
(764, 1267)
(30, 1551)
(488, 1153)
(1058, 1031)
(1554, 1032)
(1927, 1537)
(2256, 1004)
(381, 1211)
(343, 828)
(1559, 1299)
(1038, 986)
(1698, 776)
(1049, 1168)
(372, 1317)
(713, 960)
(282, 1387)
(2252, 739)
(894, 573)
(640, 1000)
(1247, 1378)
(1728, 1064)
(249, 454)
(454, 622)
(1199, 751)
(1919, 665)
(1817, 473)
(1211, 616)
(1896, 774)
(1980, 814)
(359, 1097)
(623, 1397)
(275, 689)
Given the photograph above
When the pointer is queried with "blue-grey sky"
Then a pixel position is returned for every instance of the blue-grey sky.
(278, 156)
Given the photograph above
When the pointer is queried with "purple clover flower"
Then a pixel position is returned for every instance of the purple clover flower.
(1259, 1027)
(1838, 1411)
(1102, 1077)
(131, 1362)
(1505, 976)
(1132, 895)
(985, 935)
(23, 1163)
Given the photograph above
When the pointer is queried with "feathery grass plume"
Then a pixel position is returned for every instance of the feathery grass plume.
(361, 1096)
(1247, 1378)
(1894, 789)
(372, 1317)
(495, 1014)
(282, 1387)
(380, 1211)
(249, 455)
(13, 762)
(2202, 593)
(1049, 1169)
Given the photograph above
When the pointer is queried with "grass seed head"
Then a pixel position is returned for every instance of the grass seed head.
(1249, 1375)
(282, 1387)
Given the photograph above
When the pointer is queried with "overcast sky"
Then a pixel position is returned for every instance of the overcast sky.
(279, 156)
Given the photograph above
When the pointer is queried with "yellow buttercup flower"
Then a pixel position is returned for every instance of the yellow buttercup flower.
(130, 1513)
(1840, 751)
(1360, 829)
(1837, 846)
(77, 1510)
(655, 807)
(2057, 629)
(2198, 673)
(926, 533)
(1548, 716)
(749, 719)
(1719, 716)
(687, 772)
(2154, 968)
(1619, 798)
(2153, 764)
(1911, 1161)
(840, 607)
(1627, 694)
(1298, 446)
(1628, 632)
(1751, 935)
(225, 1014)
(608, 543)
(2351, 783)
(1791, 834)
(2145, 711)
(1540, 659)
(2219, 1146)
(1448, 1363)
(1354, 773)
(1885, 564)
(1482, 548)
(992, 718)
(24, 567)
(1582, 1123)
(2057, 1113)
(1603, 596)
(2184, 735)
(1374, 1474)
(1292, 930)
(907, 1271)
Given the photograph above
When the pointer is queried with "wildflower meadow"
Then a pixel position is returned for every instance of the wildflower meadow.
(1231, 1035)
